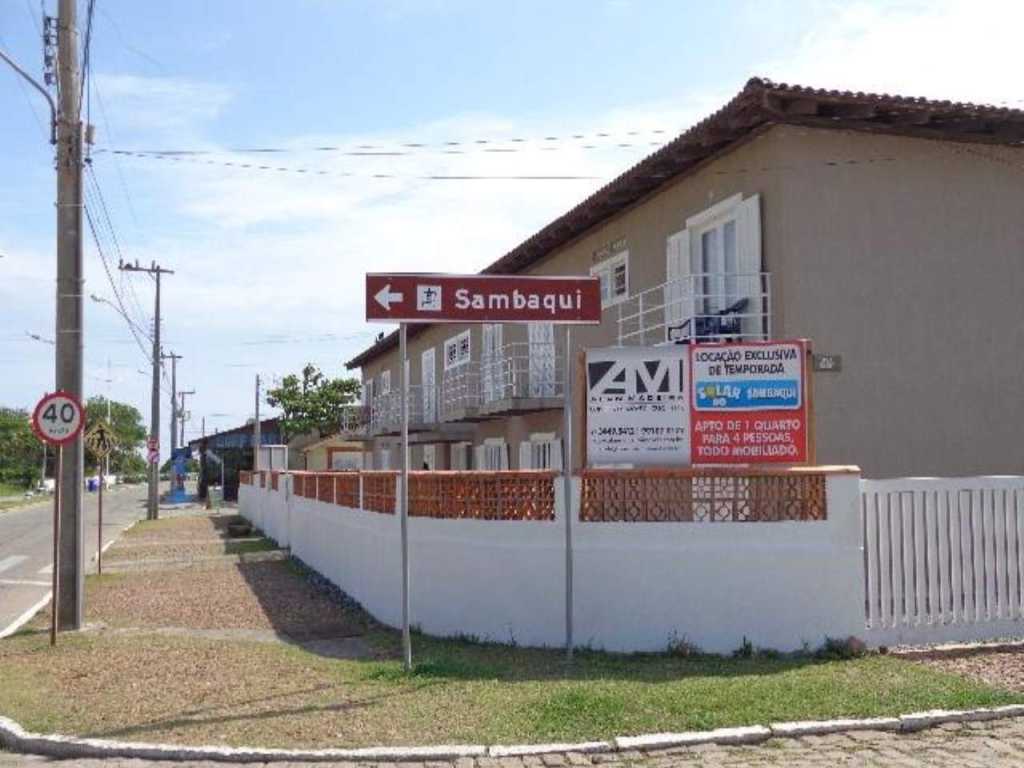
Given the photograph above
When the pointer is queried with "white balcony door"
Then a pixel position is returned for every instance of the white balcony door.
(542, 359)
(492, 364)
(428, 369)
(715, 262)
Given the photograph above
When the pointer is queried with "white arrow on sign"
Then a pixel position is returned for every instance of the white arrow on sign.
(384, 297)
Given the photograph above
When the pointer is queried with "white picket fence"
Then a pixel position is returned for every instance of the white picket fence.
(943, 559)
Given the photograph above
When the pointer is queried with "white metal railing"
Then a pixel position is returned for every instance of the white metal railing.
(354, 420)
(940, 552)
(704, 307)
(386, 410)
(522, 370)
(460, 390)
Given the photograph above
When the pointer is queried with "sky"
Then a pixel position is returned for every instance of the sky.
(269, 264)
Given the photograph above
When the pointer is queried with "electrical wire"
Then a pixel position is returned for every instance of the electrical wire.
(346, 174)
(627, 139)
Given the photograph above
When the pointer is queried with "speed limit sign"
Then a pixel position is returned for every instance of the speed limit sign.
(58, 418)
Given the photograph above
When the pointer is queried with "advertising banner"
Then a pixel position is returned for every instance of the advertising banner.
(638, 409)
(749, 403)
(702, 404)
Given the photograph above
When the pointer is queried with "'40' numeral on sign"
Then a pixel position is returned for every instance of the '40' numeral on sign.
(66, 414)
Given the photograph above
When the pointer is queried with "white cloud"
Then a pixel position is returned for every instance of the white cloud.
(961, 50)
(159, 108)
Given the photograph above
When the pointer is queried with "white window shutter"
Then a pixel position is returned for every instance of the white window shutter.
(479, 457)
(678, 301)
(748, 263)
(525, 455)
(504, 456)
(556, 455)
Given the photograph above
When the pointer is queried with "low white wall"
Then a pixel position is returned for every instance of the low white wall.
(637, 585)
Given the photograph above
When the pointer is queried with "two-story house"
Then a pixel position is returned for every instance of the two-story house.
(887, 230)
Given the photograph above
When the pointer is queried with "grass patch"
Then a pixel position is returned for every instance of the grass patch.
(284, 696)
(248, 547)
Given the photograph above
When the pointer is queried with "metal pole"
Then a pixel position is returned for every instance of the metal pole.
(99, 529)
(110, 424)
(174, 400)
(154, 416)
(257, 433)
(55, 599)
(404, 502)
(69, 305)
(567, 488)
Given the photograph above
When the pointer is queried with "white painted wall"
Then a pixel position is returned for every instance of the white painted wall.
(637, 585)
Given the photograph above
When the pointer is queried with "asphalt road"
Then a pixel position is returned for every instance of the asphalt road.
(26, 548)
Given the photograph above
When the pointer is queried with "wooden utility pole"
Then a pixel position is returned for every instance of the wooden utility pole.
(153, 506)
(69, 312)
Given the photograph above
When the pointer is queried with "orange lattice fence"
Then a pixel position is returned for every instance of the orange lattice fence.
(274, 480)
(263, 478)
(505, 495)
(379, 490)
(346, 489)
(705, 495)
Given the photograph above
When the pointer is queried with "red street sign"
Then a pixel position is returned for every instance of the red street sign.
(58, 418)
(426, 298)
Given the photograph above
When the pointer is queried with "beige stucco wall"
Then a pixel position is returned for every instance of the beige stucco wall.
(908, 262)
(913, 271)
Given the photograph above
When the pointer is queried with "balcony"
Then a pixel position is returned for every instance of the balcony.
(521, 377)
(355, 422)
(386, 411)
(460, 393)
(699, 308)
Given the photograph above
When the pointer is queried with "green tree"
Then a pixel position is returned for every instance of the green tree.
(21, 452)
(312, 401)
(129, 435)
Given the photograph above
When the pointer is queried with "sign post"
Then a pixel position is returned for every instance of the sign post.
(57, 420)
(405, 298)
(100, 440)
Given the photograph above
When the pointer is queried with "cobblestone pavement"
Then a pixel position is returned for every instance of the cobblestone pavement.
(971, 745)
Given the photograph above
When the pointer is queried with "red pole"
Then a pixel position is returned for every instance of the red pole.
(56, 545)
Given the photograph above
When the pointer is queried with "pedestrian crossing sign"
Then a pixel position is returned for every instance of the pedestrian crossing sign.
(99, 438)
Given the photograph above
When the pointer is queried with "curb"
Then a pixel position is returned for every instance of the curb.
(16, 739)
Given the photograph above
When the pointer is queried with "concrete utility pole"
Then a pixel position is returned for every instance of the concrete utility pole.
(70, 284)
(174, 397)
(256, 429)
(182, 416)
(153, 506)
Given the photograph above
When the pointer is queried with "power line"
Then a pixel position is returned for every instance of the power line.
(346, 174)
(626, 140)
(83, 88)
(110, 279)
(140, 316)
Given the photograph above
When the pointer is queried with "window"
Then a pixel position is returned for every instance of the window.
(493, 454)
(385, 382)
(344, 458)
(368, 392)
(460, 455)
(542, 451)
(429, 457)
(614, 276)
(714, 264)
(456, 350)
